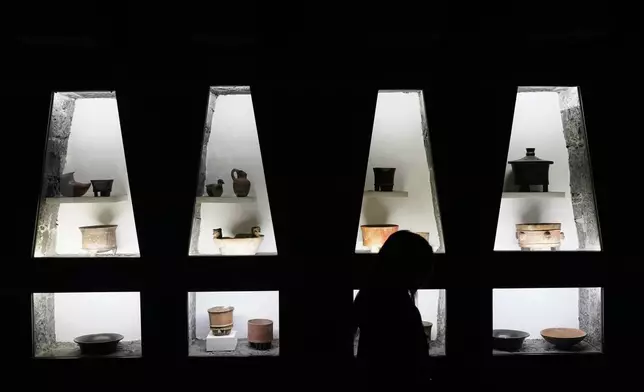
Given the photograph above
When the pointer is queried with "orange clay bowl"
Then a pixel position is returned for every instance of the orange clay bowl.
(563, 338)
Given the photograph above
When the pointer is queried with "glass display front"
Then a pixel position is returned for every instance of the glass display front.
(85, 209)
(553, 320)
(431, 305)
(400, 189)
(232, 213)
(548, 198)
(233, 323)
(71, 325)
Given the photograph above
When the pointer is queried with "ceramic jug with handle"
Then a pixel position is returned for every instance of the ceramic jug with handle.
(241, 184)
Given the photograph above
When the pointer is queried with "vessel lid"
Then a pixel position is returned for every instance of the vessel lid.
(221, 309)
(531, 158)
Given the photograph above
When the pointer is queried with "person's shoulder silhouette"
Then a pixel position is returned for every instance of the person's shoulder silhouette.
(391, 335)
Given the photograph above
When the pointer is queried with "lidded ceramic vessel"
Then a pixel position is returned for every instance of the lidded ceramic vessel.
(221, 320)
(530, 170)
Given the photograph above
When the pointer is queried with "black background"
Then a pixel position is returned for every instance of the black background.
(314, 76)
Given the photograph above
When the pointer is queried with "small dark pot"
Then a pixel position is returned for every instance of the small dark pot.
(214, 190)
(384, 178)
(427, 327)
(508, 339)
(102, 187)
(530, 170)
(98, 344)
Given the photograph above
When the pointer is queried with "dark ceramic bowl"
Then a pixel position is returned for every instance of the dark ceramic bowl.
(77, 189)
(563, 338)
(508, 339)
(102, 185)
(98, 343)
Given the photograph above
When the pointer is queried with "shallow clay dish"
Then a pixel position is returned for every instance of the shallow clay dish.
(563, 338)
(508, 339)
(98, 343)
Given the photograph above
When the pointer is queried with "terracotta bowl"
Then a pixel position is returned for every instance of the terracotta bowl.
(374, 236)
(563, 338)
(508, 339)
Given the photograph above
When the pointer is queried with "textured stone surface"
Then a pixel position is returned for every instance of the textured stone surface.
(441, 318)
(230, 90)
(436, 348)
(192, 316)
(198, 349)
(71, 350)
(201, 182)
(590, 314)
(432, 177)
(89, 94)
(540, 346)
(581, 181)
(44, 335)
(60, 124)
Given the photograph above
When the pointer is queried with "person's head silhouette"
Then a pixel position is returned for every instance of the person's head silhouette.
(403, 262)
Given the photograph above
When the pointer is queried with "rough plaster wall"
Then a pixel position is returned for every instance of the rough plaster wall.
(60, 124)
(442, 317)
(432, 178)
(590, 314)
(44, 321)
(201, 184)
(581, 182)
(192, 321)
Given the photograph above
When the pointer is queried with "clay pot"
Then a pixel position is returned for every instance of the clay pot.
(241, 185)
(384, 178)
(102, 188)
(427, 327)
(215, 190)
(99, 239)
(563, 338)
(530, 170)
(260, 333)
(508, 339)
(374, 236)
(539, 235)
(221, 320)
(70, 188)
(241, 244)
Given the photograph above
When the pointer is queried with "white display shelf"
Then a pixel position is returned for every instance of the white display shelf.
(533, 195)
(391, 194)
(232, 200)
(86, 199)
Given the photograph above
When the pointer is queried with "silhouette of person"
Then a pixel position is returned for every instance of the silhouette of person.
(392, 349)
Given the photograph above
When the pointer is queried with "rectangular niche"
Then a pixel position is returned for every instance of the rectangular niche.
(533, 310)
(85, 208)
(59, 318)
(400, 140)
(431, 304)
(250, 334)
(231, 190)
(549, 125)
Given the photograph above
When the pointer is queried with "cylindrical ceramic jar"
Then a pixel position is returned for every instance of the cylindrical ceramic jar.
(260, 333)
(99, 239)
(539, 235)
(221, 320)
(374, 236)
(384, 179)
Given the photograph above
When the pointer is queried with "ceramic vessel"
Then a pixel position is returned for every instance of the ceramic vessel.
(221, 320)
(102, 188)
(215, 190)
(241, 244)
(539, 236)
(98, 343)
(241, 185)
(260, 333)
(374, 236)
(384, 179)
(427, 327)
(70, 188)
(530, 170)
(99, 239)
(563, 338)
(508, 339)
